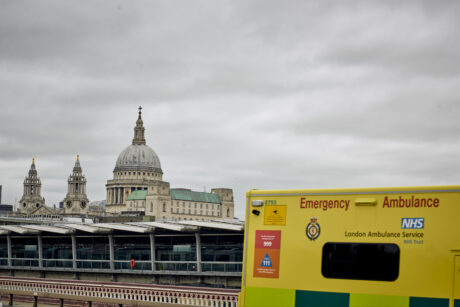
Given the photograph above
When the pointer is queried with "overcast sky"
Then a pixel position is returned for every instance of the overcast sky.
(239, 94)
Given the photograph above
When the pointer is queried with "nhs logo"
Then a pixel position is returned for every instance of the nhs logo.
(412, 223)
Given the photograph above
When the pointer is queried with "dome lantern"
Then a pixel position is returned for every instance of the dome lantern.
(139, 130)
(138, 156)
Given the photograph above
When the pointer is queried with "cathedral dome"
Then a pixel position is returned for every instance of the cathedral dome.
(138, 157)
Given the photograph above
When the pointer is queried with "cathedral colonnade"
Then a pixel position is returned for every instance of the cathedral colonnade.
(117, 195)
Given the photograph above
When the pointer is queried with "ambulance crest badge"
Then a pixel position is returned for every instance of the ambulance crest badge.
(313, 230)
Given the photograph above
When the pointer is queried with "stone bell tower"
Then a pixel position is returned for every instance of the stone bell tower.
(76, 201)
(31, 199)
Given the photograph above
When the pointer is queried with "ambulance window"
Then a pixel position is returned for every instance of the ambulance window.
(363, 261)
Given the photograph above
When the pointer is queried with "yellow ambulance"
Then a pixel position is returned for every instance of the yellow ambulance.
(370, 247)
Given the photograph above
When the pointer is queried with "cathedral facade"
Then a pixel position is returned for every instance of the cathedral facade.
(138, 187)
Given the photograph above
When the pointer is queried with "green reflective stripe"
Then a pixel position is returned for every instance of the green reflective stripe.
(370, 300)
(428, 302)
(269, 297)
(321, 299)
(272, 297)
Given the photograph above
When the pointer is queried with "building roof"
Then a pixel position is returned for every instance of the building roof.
(189, 195)
(123, 227)
(215, 225)
(49, 229)
(168, 225)
(104, 228)
(137, 195)
(87, 228)
(18, 229)
(138, 156)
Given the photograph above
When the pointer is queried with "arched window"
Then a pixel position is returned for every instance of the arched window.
(151, 206)
(164, 207)
(228, 212)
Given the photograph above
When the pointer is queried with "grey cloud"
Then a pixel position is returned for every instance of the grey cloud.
(258, 94)
(58, 31)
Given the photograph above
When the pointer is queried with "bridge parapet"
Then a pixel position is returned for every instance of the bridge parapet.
(120, 293)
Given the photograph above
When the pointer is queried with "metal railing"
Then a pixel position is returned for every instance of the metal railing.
(140, 265)
(57, 263)
(138, 294)
(188, 266)
(3, 261)
(93, 264)
(221, 266)
(31, 262)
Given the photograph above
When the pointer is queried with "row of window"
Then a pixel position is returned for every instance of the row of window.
(195, 205)
(36, 205)
(175, 219)
(136, 204)
(137, 173)
(184, 210)
(167, 248)
(164, 210)
(194, 212)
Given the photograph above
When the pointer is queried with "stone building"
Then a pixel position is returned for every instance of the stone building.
(32, 204)
(138, 187)
(191, 205)
(76, 201)
(137, 168)
(31, 199)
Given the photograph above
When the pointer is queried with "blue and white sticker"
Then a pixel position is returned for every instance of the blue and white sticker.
(412, 223)
(266, 262)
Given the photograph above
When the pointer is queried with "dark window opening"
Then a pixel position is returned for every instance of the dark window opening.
(362, 261)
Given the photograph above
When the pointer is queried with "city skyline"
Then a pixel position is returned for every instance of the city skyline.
(258, 94)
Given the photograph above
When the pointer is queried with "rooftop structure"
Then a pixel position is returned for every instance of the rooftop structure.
(191, 252)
